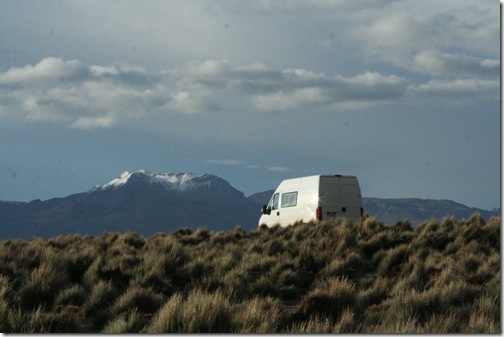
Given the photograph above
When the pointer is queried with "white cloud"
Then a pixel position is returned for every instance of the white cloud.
(236, 162)
(334, 7)
(280, 90)
(281, 100)
(340, 92)
(94, 122)
(440, 64)
(84, 97)
(188, 102)
(403, 30)
(48, 69)
(103, 96)
(458, 89)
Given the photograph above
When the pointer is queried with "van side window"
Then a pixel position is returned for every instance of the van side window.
(274, 204)
(289, 199)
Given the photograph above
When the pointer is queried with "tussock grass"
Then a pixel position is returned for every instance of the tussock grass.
(329, 277)
(141, 300)
(199, 312)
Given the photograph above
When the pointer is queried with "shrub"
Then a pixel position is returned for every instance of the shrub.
(152, 274)
(203, 233)
(41, 289)
(393, 260)
(132, 239)
(263, 286)
(492, 231)
(411, 307)
(314, 324)
(222, 238)
(145, 301)
(103, 294)
(195, 270)
(489, 307)
(239, 232)
(309, 261)
(375, 294)
(286, 274)
(472, 263)
(427, 227)
(90, 277)
(74, 295)
(111, 271)
(352, 266)
(371, 246)
(125, 323)
(184, 231)
(275, 247)
(370, 225)
(77, 264)
(458, 293)
(176, 256)
(169, 318)
(449, 322)
(5, 290)
(329, 298)
(333, 276)
(206, 313)
(482, 324)
(225, 263)
(259, 315)
(39, 321)
(347, 322)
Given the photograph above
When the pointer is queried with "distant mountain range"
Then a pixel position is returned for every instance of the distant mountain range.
(148, 203)
(141, 201)
(390, 211)
(420, 210)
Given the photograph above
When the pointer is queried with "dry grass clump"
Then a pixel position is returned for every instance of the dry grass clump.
(199, 312)
(329, 277)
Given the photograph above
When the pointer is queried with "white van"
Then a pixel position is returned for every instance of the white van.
(320, 197)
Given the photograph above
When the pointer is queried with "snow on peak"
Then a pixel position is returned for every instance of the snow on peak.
(170, 181)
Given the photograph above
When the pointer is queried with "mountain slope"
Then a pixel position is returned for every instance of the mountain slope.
(140, 201)
(147, 203)
(419, 210)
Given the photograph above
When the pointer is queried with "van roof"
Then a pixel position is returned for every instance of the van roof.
(317, 177)
(327, 175)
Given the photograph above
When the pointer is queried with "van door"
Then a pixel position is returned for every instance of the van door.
(330, 199)
(351, 199)
(272, 216)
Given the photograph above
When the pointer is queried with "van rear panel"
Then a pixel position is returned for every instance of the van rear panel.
(329, 197)
(340, 196)
(351, 199)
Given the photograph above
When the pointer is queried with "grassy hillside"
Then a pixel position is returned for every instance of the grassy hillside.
(325, 277)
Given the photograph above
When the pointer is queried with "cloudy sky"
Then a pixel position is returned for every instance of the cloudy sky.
(403, 94)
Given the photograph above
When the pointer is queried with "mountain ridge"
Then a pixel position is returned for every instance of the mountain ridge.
(148, 203)
(415, 210)
(133, 202)
(170, 181)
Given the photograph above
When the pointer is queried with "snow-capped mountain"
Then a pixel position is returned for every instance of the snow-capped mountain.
(148, 203)
(139, 201)
(169, 181)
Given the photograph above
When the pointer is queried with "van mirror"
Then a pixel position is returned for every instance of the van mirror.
(266, 210)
